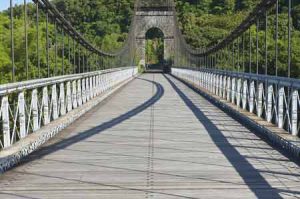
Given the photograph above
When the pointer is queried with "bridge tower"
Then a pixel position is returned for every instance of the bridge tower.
(155, 14)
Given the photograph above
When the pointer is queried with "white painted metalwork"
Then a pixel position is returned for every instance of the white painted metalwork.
(39, 102)
(275, 99)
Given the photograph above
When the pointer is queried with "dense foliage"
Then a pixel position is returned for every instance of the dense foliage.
(206, 22)
(105, 23)
(154, 46)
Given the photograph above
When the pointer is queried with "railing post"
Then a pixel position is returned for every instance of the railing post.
(54, 102)
(104, 82)
(117, 78)
(35, 110)
(233, 87)
(238, 92)
(87, 89)
(91, 91)
(110, 80)
(93, 87)
(252, 93)
(260, 99)
(205, 80)
(97, 85)
(245, 89)
(84, 91)
(270, 103)
(107, 80)
(295, 99)
(209, 82)
(79, 93)
(101, 84)
(202, 80)
(224, 86)
(199, 78)
(219, 90)
(191, 73)
(228, 88)
(215, 84)
(46, 106)
(22, 117)
(62, 99)
(220, 85)
(281, 96)
(244, 98)
(5, 122)
(69, 97)
(74, 94)
(92, 84)
(212, 83)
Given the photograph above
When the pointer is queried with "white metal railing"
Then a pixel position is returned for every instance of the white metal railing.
(27, 106)
(275, 99)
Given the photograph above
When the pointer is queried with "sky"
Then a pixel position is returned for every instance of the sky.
(4, 4)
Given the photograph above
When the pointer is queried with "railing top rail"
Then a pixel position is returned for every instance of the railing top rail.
(9, 88)
(281, 81)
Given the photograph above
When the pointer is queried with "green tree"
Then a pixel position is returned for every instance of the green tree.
(222, 6)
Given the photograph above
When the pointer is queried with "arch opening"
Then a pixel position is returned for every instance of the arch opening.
(154, 48)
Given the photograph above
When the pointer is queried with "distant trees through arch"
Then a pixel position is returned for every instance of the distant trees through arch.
(154, 47)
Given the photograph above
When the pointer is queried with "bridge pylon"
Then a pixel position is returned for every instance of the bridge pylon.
(150, 15)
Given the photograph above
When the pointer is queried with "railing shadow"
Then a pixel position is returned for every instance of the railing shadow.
(98, 129)
(251, 176)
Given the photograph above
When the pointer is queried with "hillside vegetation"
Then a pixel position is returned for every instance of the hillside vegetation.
(105, 23)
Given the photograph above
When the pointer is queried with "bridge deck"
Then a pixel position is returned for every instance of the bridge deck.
(154, 140)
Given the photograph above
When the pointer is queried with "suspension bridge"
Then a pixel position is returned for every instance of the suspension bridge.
(195, 128)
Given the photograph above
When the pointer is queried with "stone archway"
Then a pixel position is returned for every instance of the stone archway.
(154, 47)
(148, 19)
